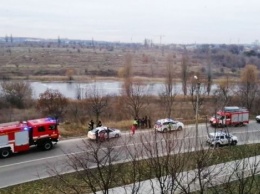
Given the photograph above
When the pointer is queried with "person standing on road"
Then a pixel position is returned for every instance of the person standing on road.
(102, 136)
(91, 125)
(149, 122)
(99, 124)
(107, 134)
(133, 128)
(142, 123)
(96, 133)
(146, 121)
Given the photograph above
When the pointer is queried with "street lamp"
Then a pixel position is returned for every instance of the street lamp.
(197, 110)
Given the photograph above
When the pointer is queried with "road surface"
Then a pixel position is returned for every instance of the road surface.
(34, 164)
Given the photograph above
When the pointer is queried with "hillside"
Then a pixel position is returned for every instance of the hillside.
(52, 61)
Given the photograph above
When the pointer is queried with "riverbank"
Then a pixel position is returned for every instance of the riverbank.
(87, 78)
(83, 79)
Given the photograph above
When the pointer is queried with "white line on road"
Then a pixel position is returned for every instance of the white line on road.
(82, 138)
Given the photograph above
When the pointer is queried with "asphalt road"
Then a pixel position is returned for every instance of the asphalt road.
(35, 164)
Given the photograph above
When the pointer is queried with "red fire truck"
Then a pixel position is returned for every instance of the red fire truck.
(18, 137)
(230, 116)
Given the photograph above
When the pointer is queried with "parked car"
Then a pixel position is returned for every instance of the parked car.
(257, 118)
(221, 138)
(164, 125)
(112, 132)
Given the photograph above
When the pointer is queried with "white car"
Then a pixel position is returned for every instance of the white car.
(112, 132)
(257, 118)
(164, 125)
(221, 138)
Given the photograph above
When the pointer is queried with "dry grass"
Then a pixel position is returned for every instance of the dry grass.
(124, 124)
(37, 62)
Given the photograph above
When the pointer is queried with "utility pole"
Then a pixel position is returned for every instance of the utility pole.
(197, 111)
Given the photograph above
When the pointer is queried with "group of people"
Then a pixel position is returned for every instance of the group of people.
(102, 136)
(144, 122)
(91, 124)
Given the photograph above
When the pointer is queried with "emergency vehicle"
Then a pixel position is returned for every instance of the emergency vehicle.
(18, 137)
(230, 116)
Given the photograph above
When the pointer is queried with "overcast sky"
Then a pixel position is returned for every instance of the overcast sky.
(168, 21)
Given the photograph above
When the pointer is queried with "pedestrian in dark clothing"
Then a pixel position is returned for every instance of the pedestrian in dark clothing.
(96, 133)
(102, 136)
(142, 123)
(139, 122)
(145, 122)
(99, 124)
(149, 122)
(91, 125)
(107, 134)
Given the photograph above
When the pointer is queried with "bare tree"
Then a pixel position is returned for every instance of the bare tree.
(17, 94)
(239, 176)
(127, 75)
(78, 93)
(241, 171)
(162, 165)
(95, 169)
(96, 101)
(184, 73)
(75, 111)
(221, 96)
(248, 86)
(224, 91)
(169, 93)
(203, 172)
(209, 74)
(256, 106)
(134, 94)
(174, 167)
(52, 103)
(132, 179)
(136, 100)
(197, 88)
(156, 163)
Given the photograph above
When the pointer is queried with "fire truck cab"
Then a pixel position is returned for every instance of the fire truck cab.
(19, 137)
(230, 116)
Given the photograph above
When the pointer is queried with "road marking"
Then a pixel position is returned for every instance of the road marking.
(118, 146)
(52, 157)
(28, 161)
